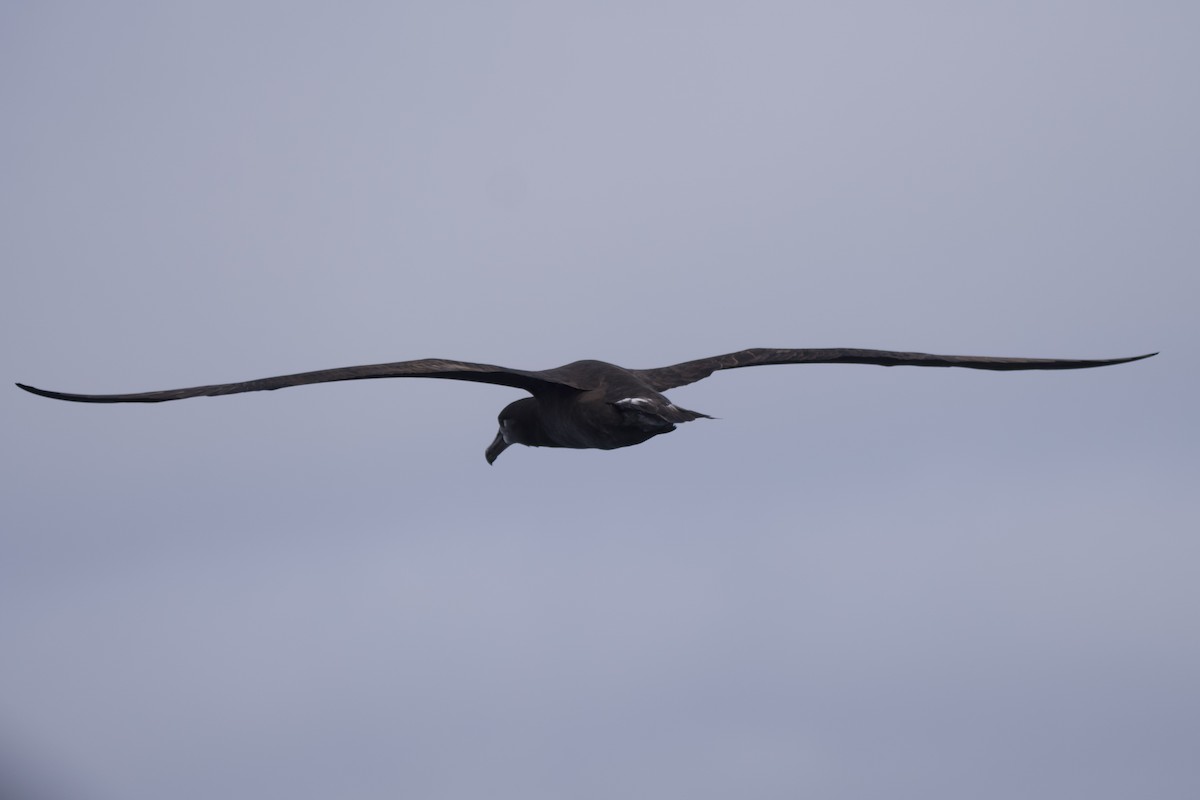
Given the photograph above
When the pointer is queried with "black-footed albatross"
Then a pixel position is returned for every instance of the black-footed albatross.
(590, 404)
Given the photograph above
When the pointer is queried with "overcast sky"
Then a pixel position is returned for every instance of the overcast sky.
(856, 583)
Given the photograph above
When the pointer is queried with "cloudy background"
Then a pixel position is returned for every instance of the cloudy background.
(857, 583)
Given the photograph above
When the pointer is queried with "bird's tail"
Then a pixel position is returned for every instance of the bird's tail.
(649, 414)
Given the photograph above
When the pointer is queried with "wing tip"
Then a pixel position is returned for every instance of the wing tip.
(78, 398)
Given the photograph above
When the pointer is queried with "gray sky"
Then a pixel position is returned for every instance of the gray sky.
(857, 583)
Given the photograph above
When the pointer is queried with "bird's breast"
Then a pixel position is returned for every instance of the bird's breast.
(587, 421)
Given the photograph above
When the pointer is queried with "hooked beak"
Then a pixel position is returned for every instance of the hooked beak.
(495, 448)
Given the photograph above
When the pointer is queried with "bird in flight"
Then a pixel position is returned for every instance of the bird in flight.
(590, 404)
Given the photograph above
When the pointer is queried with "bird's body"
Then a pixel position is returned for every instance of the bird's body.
(606, 407)
(590, 404)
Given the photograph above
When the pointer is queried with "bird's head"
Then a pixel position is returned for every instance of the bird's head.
(519, 424)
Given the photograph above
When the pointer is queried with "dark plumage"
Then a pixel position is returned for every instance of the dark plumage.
(590, 404)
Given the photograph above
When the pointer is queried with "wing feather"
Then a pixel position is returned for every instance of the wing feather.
(664, 378)
(422, 368)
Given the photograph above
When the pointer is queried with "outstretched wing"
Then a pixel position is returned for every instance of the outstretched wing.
(424, 368)
(665, 378)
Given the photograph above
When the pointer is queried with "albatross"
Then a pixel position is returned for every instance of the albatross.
(591, 404)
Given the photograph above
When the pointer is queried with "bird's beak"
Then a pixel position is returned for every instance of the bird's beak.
(495, 448)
